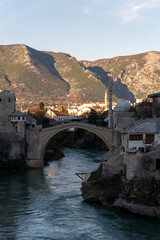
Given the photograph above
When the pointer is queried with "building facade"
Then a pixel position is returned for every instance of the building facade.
(13, 126)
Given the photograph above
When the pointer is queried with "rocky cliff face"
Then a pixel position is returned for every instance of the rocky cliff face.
(134, 76)
(83, 83)
(140, 195)
(60, 78)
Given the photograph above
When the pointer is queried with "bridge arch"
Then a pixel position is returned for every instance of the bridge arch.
(46, 134)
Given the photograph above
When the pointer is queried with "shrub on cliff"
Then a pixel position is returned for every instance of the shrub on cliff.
(96, 118)
(144, 109)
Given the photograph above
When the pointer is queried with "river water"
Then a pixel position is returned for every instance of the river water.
(47, 204)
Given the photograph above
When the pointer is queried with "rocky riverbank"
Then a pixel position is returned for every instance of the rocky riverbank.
(139, 195)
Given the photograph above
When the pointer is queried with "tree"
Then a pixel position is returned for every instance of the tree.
(144, 109)
(39, 114)
(93, 117)
(41, 105)
(63, 109)
(96, 118)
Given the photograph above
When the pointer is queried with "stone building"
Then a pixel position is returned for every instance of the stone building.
(7, 107)
(139, 139)
(7, 103)
(155, 104)
(122, 116)
(58, 116)
(141, 135)
(13, 126)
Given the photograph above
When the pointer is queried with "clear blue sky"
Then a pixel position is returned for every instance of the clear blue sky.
(86, 29)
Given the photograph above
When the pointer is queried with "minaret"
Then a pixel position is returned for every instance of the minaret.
(105, 98)
(110, 112)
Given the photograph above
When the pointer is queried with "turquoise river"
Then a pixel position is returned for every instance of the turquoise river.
(47, 204)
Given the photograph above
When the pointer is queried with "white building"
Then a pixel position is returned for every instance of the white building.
(86, 108)
(72, 110)
(85, 105)
(18, 116)
(59, 116)
(139, 100)
(141, 135)
(137, 141)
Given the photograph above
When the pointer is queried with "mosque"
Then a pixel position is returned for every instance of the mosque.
(121, 116)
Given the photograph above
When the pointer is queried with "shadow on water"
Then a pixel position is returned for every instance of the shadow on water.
(124, 224)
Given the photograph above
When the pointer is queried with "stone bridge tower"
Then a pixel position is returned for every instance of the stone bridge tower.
(7, 107)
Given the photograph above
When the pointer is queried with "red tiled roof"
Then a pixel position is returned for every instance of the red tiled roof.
(60, 113)
(96, 107)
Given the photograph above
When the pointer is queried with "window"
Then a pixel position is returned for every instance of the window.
(18, 118)
(0, 99)
(149, 138)
(9, 99)
(158, 164)
(23, 118)
(135, 137)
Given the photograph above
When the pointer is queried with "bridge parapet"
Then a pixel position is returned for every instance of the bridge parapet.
(76, 125)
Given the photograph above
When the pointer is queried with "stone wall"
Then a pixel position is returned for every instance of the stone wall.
(7, 107)
(12, 147)
(112, 163)
(142, 165)
(132, 162)
(7, 104)
(116, 139)
(6, 126)
(122, 119)
(34, 153)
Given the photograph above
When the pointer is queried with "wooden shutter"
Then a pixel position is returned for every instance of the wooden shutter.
(149, 138)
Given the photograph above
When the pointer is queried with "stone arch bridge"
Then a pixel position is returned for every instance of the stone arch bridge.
(38, 139)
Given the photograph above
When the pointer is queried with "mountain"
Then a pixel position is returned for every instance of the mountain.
(140, 74)
(84, 86)
(46, 76)
(58, 78)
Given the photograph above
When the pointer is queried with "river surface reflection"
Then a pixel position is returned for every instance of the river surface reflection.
(47, 204)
